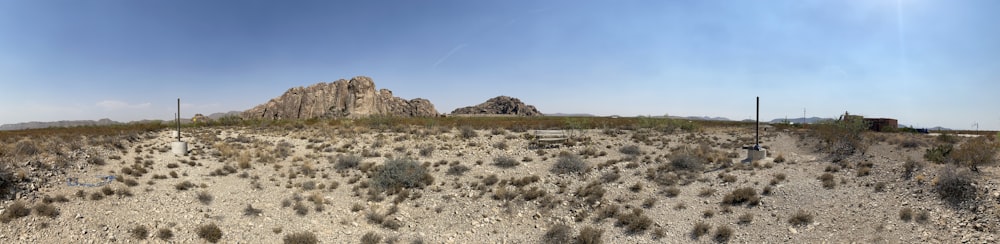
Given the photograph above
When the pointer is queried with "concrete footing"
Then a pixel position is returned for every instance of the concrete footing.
(754, 154)
(179, 148)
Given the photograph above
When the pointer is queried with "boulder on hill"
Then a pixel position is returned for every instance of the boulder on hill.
(502, 105)
(353, 98)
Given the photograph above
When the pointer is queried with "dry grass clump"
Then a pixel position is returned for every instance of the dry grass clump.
(746, 218)
(46, 210)
(301, 238)
(139, 232)
(164, 234)
(467, 133)
(635, 222)
(205, 198)
(906, 214)
(13, 211)
(687, 162)
(401, 173)
(800, 218)
(742, 195)
(911, 166)
(591, 193)
(558, 234)
(672, 191)
(630, 150)
(722, 234)
(700, 229)
(371, 238)
(979, 151)
(183, 186)
(590, 235)
(209, 232)
(828, 181)
(457, 170)
(347, 162)
(570, 164)
(955, 186)
(505, 162)
(251, 211)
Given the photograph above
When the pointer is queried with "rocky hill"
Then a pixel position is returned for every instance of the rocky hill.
(340, 99)
(500, 105)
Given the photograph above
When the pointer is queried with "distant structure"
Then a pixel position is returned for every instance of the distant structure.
(874, 124)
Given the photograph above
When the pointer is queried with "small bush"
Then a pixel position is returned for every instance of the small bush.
(401, 173)
(468, 133)
(505, 162)
(557, 234)
(800, 218)
(687, 162)
(746, 218)
(631, 150)
(976, 152)
(906, 214)
(457, 170)
(700, 229)
(251, 211)
(205, 198)
(46, 210)
(347, 162)
(164, 234)
(742, 195)
(910, 166)
(591, 193)
(183, 186)
(371, 238)
(828, 181)
(301, 238)
(723, 233)
(210, 232)
(590, 235)
(569, 164)
(635, 222)
(923, 216)
(955, 186)
(426, 150)
(139, 232)
(13, 211)
(939, 154)
(780, 158)
(672, 191)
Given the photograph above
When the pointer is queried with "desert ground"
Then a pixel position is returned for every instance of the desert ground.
(450, 184)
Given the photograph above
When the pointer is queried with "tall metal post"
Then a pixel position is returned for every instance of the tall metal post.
(756, 141)
(178, 119)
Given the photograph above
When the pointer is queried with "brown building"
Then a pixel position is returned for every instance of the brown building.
(881, 124)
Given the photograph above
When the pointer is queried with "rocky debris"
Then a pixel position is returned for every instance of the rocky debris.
(340, 99)
(502, 105)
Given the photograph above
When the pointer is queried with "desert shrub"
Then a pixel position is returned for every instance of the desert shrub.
(827, 180)
(590, 235)
(742, 195)
(910, 166)
(976, 152)
(569, 164)
(780, 158)
(700, 229)
(672, 191)
(165, 234)
(939, 154)
(591, 193)
(923, 216)
(558, 233)
(800, 218)
(457, 170)
(631, 150)
(205, 198)
(708, 213)
(183, 186)
(911, 143)
(301, 238)
(635, 222)
(505, 162)
(906, 214)
(467, 132)
(723, 233)
(371, 238)
(139, 232)
(746, 218)
(426, 150)
(46, 210)
(608, 211)
(955, 186)
(841, 138)
(706, 192)
(13, 211)
(96, 196)
(401, 173)
(687, 162)
(500, 145)
(209, 232)
(347, 162)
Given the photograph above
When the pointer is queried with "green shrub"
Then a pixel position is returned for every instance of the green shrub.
(569, 164)
(939, 154)
(401, 173)
(301, 238)
(210, 232)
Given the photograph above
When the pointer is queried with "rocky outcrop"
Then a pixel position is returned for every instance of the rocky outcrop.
(502, 105)
(353, 98)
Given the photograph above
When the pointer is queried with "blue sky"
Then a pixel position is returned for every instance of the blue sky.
(924, 62)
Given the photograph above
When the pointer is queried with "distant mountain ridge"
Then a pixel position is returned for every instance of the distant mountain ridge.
(62, 123)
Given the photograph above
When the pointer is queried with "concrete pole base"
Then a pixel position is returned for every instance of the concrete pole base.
(754, 155)
(179, 148)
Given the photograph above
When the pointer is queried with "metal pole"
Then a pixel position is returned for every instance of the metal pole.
(178, 119)
(756, 141)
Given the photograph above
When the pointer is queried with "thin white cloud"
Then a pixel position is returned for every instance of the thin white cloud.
(118, 105)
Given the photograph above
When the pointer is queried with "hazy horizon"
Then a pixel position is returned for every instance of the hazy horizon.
(926, 63)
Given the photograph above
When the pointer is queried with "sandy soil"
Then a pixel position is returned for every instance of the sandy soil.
(461, 209)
